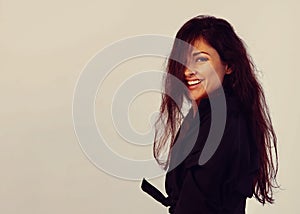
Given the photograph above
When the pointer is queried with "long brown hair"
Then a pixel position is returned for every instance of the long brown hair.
(219, 34)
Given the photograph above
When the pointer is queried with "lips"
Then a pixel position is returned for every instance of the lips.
(193, 82)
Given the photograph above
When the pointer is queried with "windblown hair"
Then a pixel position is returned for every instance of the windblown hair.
(219, 34)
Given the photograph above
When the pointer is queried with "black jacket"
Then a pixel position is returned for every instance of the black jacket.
(223, 183)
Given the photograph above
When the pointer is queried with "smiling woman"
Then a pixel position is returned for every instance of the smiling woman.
(202, 79)
(242, 165)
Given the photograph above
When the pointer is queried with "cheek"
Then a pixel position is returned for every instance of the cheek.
(213, 77)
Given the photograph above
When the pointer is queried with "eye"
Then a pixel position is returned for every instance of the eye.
(201, 59)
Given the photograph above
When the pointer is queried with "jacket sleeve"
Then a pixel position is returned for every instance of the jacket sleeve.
(222, 184)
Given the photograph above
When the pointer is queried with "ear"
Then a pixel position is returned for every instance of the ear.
(228, 70)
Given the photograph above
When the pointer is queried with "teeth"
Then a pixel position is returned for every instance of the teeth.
(193, 82)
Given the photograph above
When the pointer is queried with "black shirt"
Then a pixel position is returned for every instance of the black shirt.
(223, 183)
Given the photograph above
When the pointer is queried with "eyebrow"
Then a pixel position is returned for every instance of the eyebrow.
(197, 53)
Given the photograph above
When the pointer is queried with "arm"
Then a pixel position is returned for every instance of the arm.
(224, 182)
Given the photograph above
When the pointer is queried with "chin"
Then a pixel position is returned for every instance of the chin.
(198, 96)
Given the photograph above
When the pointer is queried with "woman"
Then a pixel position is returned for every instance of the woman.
(242, 164)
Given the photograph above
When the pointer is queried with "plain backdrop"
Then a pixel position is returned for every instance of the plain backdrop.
(44, 45)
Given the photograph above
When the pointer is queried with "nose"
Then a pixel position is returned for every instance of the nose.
(189, 73)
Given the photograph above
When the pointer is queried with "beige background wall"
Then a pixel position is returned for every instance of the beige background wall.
(44, 45)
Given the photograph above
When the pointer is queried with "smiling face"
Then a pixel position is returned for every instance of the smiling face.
(205, 72)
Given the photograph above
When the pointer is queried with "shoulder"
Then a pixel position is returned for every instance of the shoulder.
(234, 134)
(238, 125)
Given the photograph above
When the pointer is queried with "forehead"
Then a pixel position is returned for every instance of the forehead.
(200, 45)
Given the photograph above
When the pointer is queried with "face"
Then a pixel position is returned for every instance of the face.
(205, 72)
